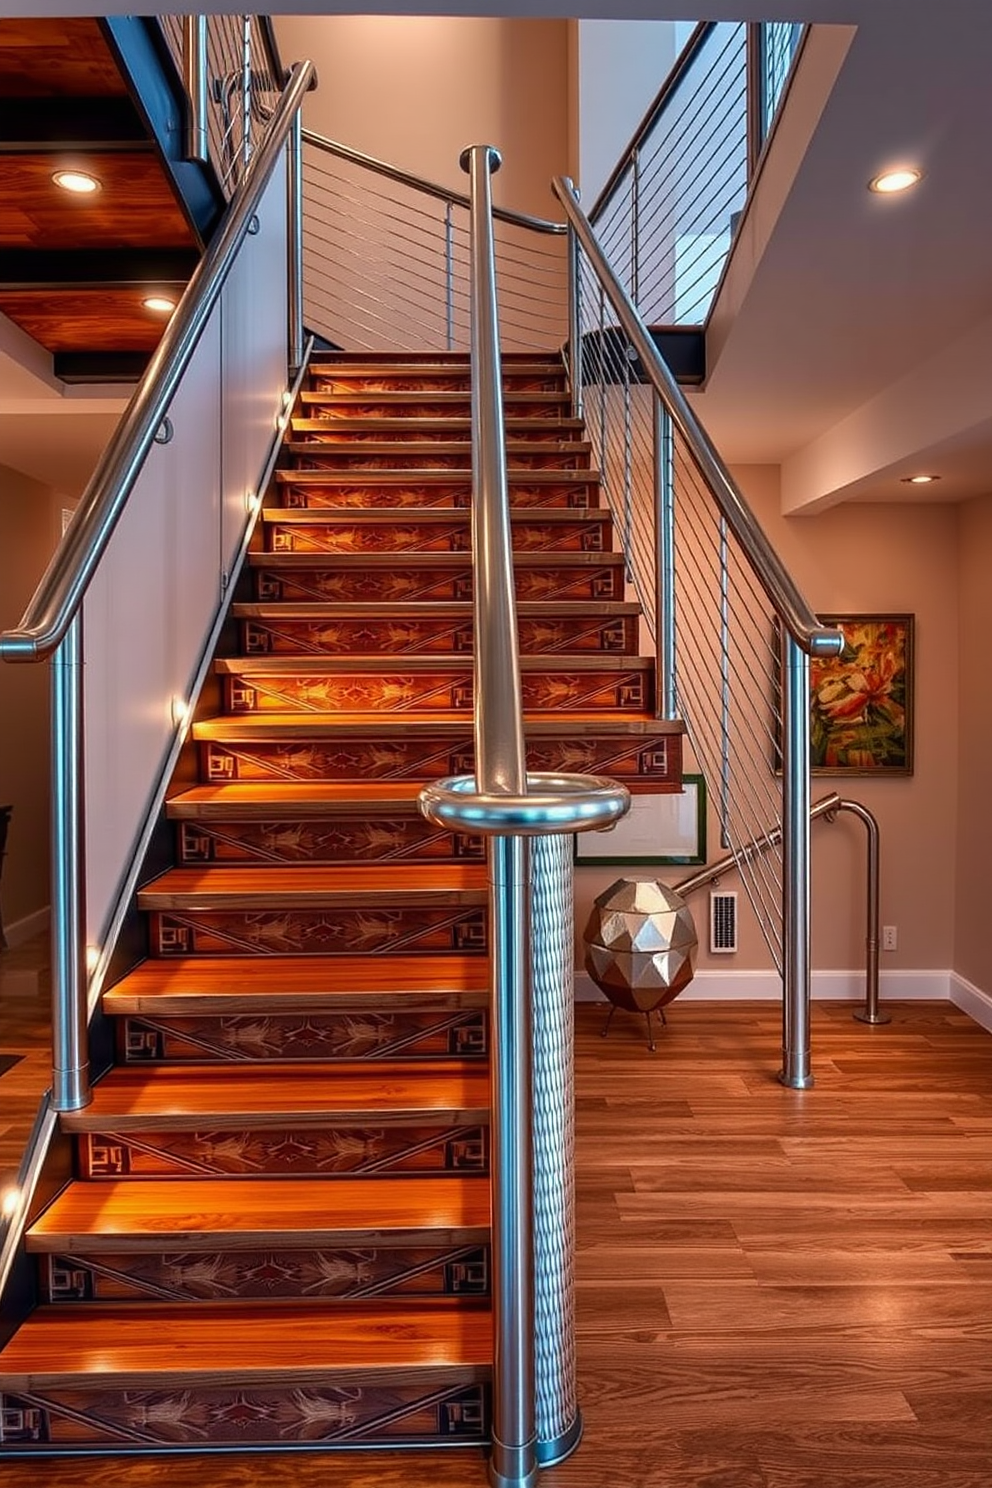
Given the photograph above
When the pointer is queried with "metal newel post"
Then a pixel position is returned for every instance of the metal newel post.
(70, 1057)
(449, 275)
(195, 81)
(245, 94)
(575, 369)
(664, 567)
(559, 1423)
(635, 229)
(294, 244)
(795, 868)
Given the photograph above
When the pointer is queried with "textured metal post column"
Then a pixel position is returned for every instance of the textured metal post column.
(795, 868)
(559, 1424)
(70, 1059)
(195, 79)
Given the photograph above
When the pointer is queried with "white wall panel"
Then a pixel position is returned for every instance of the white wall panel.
(254, 349)
(145, 619)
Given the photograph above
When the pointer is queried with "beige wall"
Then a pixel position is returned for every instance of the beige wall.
(415, 90)
(28, 532)
(873, 559)
(973, 943)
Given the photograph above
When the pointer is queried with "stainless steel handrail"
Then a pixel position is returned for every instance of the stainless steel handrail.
(59, 595)
(420, 183)
(828, 808)
(796, 615)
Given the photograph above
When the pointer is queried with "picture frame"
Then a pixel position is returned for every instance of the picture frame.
(658, 830)
(861, 702)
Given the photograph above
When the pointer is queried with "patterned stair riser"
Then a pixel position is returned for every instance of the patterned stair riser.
(550, 406)
(652, 763)
(451, 381)
(408, 580)
(341, 432)
(432, 1412)
(616, 635)
(447, 535)
(359, 1034)
(352, 839)
(237, 1275)
(381, 931)
(324, 1151)
(354, 495)
(345, 457)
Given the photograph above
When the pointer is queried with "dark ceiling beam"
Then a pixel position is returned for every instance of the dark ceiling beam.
(100, 366)
(62, 125)
(95, 268)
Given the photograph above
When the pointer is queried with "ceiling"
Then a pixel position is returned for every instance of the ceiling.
(855, 349)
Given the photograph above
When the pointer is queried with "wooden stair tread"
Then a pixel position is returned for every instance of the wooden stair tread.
(424, 477)
(224, 1213)
(168, 1097)
(142, 1344)
(219, 985)
(243, 801)
(340, 725)
(291, 885)
(426, 609)
(356, 364)
(431, 447)
(440, 661)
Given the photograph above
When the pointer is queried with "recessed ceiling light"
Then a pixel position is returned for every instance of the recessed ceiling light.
(159, 304)
(919, 480)
(79, 182)
(891, 181)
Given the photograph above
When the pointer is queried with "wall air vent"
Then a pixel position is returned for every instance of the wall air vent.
(723, 923)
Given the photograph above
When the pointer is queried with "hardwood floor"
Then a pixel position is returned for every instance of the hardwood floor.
(776, 1289)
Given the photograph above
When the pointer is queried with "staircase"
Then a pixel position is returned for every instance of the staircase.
(277, 1235)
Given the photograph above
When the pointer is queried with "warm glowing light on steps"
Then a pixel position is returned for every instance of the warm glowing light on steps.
(80, 183)
(9, 1203)
(180, 711)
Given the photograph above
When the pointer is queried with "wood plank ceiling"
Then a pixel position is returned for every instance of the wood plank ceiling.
(75, 270)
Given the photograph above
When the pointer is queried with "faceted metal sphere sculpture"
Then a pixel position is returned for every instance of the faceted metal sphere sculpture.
(640, 946)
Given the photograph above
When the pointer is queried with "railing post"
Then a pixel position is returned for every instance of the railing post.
(575, 371)
(664, 568)
(635, 227)
(724, 686)
(195, 80)
(245, 94)
(755, 92)
(872, 1012)
(294, 245)
(795, 1071)
(70, 1058)
(449, 276)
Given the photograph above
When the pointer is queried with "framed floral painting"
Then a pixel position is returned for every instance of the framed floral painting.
(861, 702)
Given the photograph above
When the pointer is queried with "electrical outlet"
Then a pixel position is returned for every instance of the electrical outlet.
(890, 938)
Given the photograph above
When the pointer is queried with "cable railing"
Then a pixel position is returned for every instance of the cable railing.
(387, 260)
(733, 635)
(667, 215)
(233, 76)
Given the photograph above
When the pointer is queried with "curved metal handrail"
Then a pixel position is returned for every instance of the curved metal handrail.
(64, 583)
(796, 615)
(665, 93)
(420, 183)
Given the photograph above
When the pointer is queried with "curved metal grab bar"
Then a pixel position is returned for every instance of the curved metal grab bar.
(827, 807)
(796, 615)
(64, 583)
(429, 188)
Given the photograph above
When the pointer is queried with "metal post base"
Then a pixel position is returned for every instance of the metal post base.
(512, 1467)
(798, 1081)
(866, 1017)
(551, 1452)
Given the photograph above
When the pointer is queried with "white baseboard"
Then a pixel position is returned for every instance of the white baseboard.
(827, 986)
(971, 1000)
(19, 931)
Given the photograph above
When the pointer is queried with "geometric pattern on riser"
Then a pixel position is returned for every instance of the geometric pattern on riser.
(326, 1151)
(237, 1416)
(590, 581)
(653, 762)
(360, 1034)
(326, 932)
(387, 635)
(408, 839)
(437, 536)
(610, 690)
(240, 1275)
